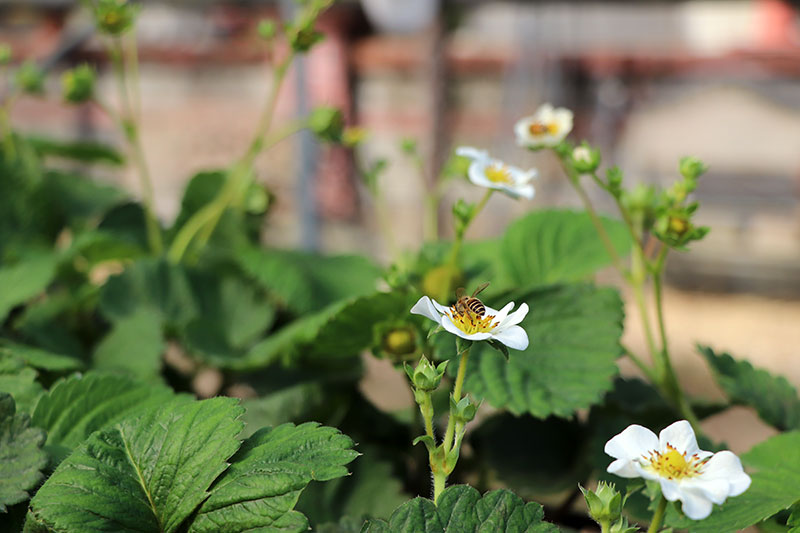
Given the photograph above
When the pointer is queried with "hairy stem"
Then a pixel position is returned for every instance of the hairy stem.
(462, 371)
(658, 516)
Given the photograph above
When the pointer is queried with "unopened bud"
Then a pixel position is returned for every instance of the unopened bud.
(30, 78)
(585, 159)
(426, 377)
(464, 410)
(114, 17)
(327, 123)
(267, 29)
(605, 503)
(78, 84)
(692, 168)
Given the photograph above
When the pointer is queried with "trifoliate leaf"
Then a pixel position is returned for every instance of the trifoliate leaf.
(266, 476)
(134, 345)
(774, 466)
(21, 456)
(147, 473)
(25, 279)
(557, 245)
(75, 407)
(461, 509)
(570, 363)
(83, 151)
(774, 398)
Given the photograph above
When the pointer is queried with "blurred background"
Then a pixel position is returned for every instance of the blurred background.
(649, 81)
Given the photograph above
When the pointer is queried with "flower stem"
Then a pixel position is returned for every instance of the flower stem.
(462, 371)
(202, 223)
(658, 516)
(605, 526)
(439, 481)
(130, 129)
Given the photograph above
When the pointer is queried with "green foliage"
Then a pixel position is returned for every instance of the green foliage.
(461, 509)
(77, 406)
(21, 453)
(29, 78)
(38, 358)
(25, 279)
(19, 381)
(574, 333)
(304, 282)
(134, 345)
(267, 475)
(180, 466)
(773, 397)
(774, 466)
(77, 84)
(82, 151)
(553, 246)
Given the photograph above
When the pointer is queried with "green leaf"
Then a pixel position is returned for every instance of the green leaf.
(305, 281)
(19, 381)
(21, 453)
(74, 196)
(25, 279)
(774, 398)
(774, 466)
(151, 283)
(557, 245)
(461, 509)
(127, 223)
(570, 363)
(41, 359)
(84, 151)
(76, 407)
(147, 473)
(266, 476)
(134, 345)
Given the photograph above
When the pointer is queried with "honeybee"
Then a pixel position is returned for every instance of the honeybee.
(470, 304)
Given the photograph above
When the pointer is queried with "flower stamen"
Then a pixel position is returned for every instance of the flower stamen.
(543, 128)
(672, 464)
(470, 323)
(499, 173)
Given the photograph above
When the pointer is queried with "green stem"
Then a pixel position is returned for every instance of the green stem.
(658, 516)
(605, 526)
(669, 380)
(202, 223)
(637, 280)
(439, 481)
(462, 371)
(646, 370)
(131, 131)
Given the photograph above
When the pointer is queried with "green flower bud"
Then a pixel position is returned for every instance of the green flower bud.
(327, 123)
(78, 84)
(30, 78)
(605, 503)
(622, 526)
(114, 17)
(267, 29)
(5, 54)
(692, 168)
(463, 213)
(464, 410)
(396, 341)
(614, 179)
(585, 159)
(426, 377)
(409, 146)
(257, 199)
(353, 136)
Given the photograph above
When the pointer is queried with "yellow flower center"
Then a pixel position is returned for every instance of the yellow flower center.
(470, 323)
(543, 128)
(499, 173)
(674, 465)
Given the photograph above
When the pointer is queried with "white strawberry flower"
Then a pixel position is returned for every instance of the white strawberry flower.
(547, 127)
(492, 325)
(491, 173)
(685, 472)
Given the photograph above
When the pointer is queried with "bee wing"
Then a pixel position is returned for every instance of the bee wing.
(479, 289)
(460, 292)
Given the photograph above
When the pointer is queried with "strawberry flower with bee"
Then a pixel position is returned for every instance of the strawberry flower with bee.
(469, 319)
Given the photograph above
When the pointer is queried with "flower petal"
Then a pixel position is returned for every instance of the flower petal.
(715, 490)
(440, 308)
(632, 443)
(516, 317)
(425, 307)
(680, 436)
(472, 153)
(725, 465)
(623, 468)
(513, 337)
(452, 328)
(500, 316)
(669, 489)
(695, 506)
